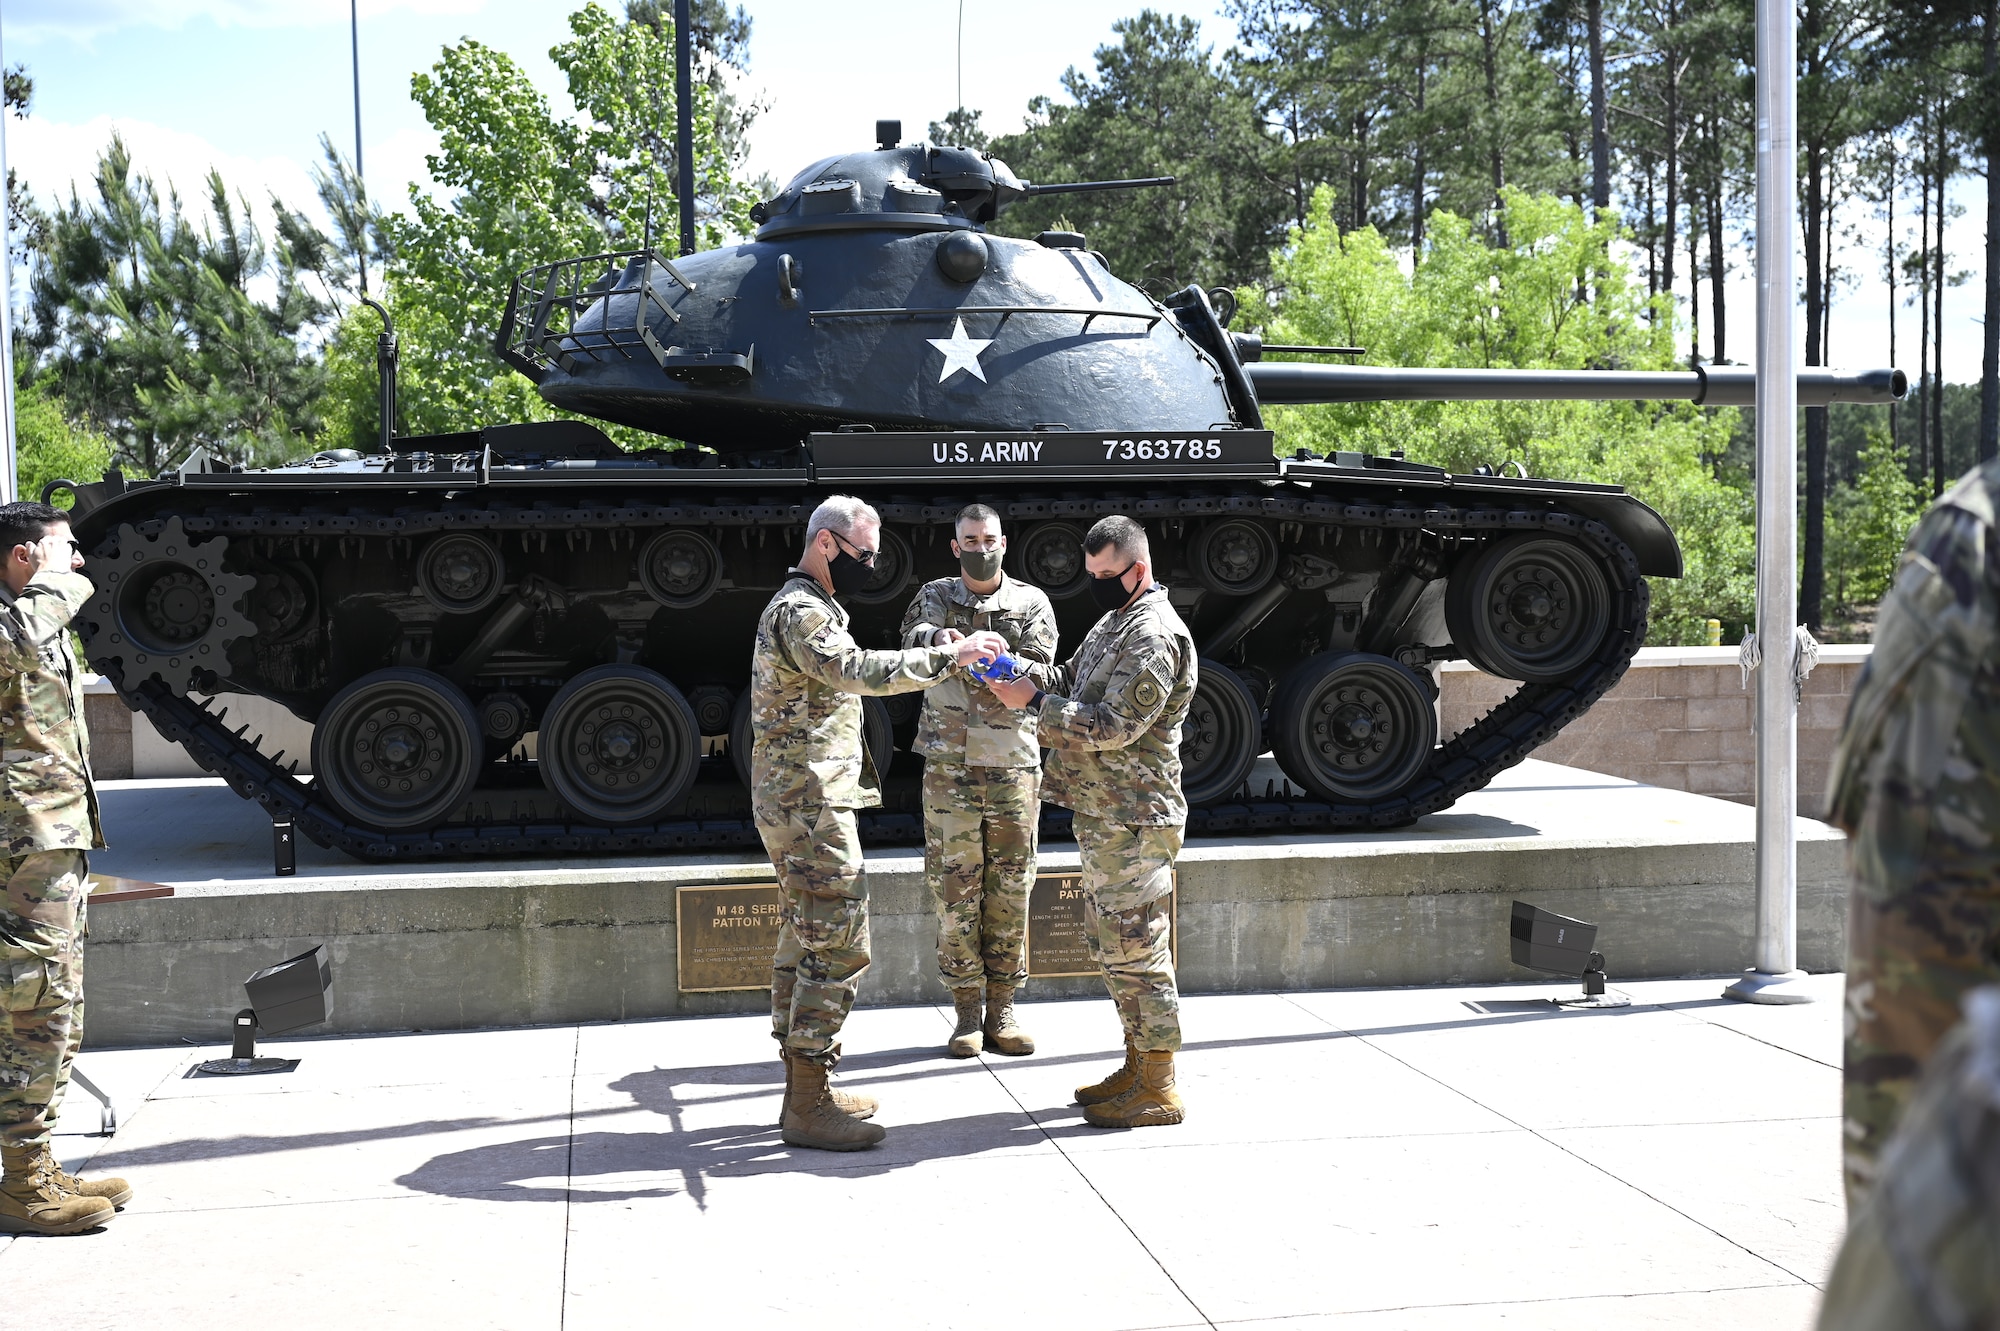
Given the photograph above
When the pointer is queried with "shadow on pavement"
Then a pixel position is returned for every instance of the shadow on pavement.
(623, 1166)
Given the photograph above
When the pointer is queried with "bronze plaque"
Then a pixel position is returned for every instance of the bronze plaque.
(728, 935)
(1056, 943)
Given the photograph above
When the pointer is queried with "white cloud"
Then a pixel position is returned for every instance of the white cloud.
(80, 20)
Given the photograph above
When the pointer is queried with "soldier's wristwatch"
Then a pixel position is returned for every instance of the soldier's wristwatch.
(1035, 703)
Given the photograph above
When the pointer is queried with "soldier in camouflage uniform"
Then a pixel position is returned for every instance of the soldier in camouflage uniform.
(809, 772)
(1923, 1252)
(1916, 784)
(982, 787)
(1111, 720)
(49, 814)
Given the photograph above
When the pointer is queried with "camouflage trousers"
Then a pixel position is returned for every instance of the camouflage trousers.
(979, 862)
(1128, 871)
(1920, 1252)
(41, 989)
(1910, 962)
(823, 937)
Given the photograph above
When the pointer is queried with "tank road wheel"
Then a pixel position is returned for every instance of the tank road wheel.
(892, 572)
(1352, 726)
(461, 573)
(714, 705)
(164, 606)
(1234, 557)
(399, 748)
(1221, 737)
(619, 744)
(1532, 608)
(1052, 559)
(876, 728)
(680, 569)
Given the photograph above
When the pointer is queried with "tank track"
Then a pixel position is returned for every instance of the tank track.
(1506, 735)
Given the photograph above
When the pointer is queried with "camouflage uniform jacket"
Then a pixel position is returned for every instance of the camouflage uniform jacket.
(1114, 733)
(1916, 779)
(807, 678)
(50, 803)
(963, 722)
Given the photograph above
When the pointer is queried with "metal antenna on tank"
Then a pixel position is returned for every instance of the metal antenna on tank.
(385, 342)
(360, 172)
(684, 150)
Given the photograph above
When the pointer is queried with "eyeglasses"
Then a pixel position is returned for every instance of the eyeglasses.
(867, 557)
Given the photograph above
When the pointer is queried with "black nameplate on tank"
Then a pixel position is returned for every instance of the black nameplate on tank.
(1042, 455)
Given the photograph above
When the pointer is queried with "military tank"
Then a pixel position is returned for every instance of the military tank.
(525, 639)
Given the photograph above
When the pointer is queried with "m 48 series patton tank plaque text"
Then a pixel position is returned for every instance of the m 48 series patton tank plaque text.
(1057, 946)
(727, 936)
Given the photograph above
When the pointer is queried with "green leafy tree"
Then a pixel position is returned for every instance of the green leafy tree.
(519, 185)
(1160, 104)
(1555, 298)
(1871, 519)
(145, 321)
(48, 446)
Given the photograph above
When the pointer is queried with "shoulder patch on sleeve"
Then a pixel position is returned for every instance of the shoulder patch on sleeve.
(1146, 690)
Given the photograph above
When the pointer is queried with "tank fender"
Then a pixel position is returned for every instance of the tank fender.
(1638, 525)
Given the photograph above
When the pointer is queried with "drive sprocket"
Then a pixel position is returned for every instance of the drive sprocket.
(164, 605)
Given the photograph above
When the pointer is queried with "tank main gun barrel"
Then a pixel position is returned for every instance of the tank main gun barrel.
(1714, 386)
(1097, 186)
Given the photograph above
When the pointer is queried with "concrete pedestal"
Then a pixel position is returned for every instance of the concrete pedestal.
(1666, 874)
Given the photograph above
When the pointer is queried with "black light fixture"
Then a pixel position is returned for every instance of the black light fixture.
(1542, 940)
(286, 997)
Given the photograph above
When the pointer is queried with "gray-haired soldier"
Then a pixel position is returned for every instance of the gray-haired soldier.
(1111, 719)
(982, 787)
(809, 772)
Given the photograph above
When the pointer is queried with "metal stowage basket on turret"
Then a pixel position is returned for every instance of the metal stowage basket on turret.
(526, 639)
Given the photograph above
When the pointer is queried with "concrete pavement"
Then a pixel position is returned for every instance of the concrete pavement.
(1422, 1158)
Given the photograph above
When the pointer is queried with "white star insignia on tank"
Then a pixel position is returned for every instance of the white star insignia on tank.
(960, 352)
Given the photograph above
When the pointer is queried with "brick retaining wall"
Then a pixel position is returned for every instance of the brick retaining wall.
(1680, 718)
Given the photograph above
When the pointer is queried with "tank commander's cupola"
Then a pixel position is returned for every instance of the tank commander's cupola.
(912, 187)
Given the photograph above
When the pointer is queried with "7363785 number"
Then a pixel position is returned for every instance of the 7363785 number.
(1161, 450)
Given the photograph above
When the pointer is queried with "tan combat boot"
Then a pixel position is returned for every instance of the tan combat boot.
(1114, 1085)
(1002, 1032)
(114, 1190)
(854, 1106)
(1152, 1101)
(32, 1203)
(812, 1120)
(968, 1039)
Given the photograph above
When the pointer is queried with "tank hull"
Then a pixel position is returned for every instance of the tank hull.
(1320, 595)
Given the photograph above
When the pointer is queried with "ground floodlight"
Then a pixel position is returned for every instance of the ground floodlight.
(285, 997)
(1545, 941)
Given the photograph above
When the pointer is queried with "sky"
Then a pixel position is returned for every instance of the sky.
(248, 87)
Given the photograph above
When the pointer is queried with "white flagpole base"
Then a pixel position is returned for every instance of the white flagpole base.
(1765, 987)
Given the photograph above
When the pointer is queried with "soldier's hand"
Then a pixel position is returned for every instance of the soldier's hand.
(1014, 693)
(981, 646)
(945, 637)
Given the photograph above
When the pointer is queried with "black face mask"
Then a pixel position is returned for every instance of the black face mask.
(980, 565)
(1111, 593)
(848, 574)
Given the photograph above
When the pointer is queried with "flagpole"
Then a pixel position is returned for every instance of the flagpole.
(1774, 975)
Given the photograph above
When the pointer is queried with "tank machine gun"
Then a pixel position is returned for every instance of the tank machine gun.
(435, 608)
